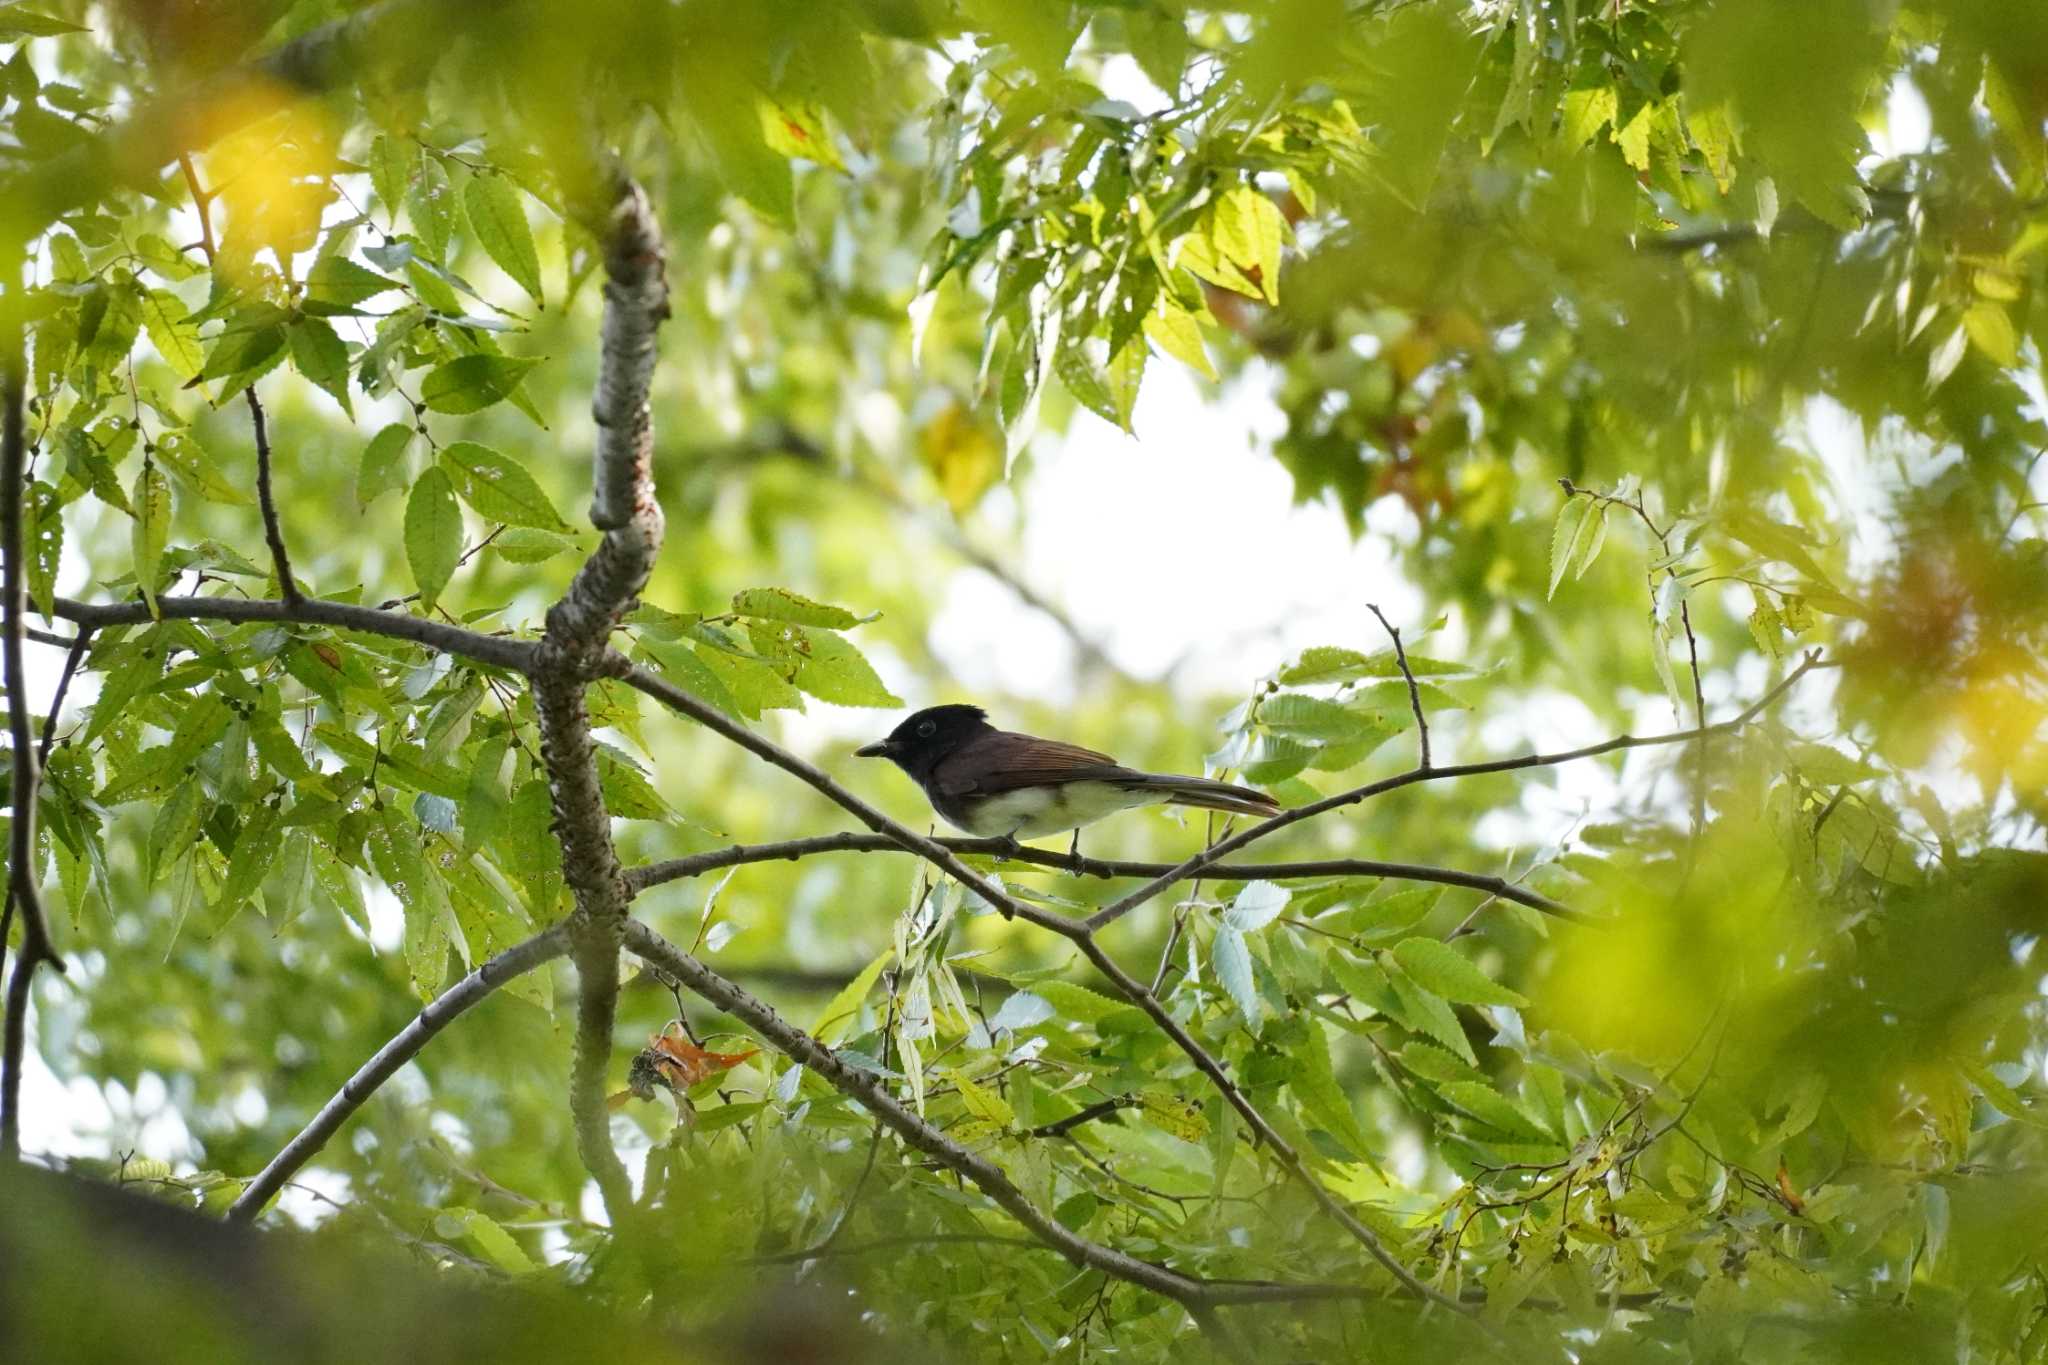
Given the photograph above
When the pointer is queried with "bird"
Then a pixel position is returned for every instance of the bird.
(996, 784)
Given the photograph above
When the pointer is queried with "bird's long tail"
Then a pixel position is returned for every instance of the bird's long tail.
(1209, 795)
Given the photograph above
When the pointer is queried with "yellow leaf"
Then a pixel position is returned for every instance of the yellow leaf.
(1991, 332)
(1174, 330)
(982, 1102)
(963, 455)
(1634, 140)
(796, 129)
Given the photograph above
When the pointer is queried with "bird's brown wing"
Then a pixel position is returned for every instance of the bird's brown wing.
(1001, 761)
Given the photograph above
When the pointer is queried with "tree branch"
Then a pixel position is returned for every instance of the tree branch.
(1414, 692)
(500, 650)
(871, 1093)
(36, 947)
(789, 850)
(516, 961)
(572, 653)
(1207, 857)
(273, 531)
(79, 645)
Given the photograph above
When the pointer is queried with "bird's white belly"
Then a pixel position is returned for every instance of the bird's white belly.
(1030, 812)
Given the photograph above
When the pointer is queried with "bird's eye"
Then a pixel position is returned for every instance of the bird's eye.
(927, 730)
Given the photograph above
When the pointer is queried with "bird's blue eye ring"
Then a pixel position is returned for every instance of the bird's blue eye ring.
(927, 730)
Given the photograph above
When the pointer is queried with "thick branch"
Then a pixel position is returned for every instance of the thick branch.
(789, 850)
(36, 947)
(515, 961)
(573, 652)
(872, 1094)
(500, 650)
(1194, 865)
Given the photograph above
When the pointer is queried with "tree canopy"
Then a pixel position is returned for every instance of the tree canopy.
(447, 446)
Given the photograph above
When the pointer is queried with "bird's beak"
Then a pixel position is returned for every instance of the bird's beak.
(879, 749)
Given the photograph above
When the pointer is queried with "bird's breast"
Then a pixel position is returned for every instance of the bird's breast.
(1031, 812)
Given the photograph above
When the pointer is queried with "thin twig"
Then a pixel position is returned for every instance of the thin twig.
(273, 531)
(1100, 1109)
(79, 645)
(1111, 913)
(1414, 692)
(544, 947)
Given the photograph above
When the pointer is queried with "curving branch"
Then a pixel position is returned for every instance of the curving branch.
(789, 850)
(1208, 857)
(500, 650)
(516, 961)
(22, 890)
(572, 653)
(869, 1090)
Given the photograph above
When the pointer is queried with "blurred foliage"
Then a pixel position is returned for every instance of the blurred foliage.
(1665, 345)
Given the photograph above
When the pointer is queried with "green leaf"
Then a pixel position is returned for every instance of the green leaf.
(335, 285)
(1491, 1107)
(498, 487)
(392, 160)
(1564, 539)
(141, 664)
(499, 1247)
(689, 672)
(1387, 919)
(1074, 1002)
(498, 219)
(839, 1015)
(1311, 718)
(322, 357)
(183, 456)
(1425, 1011)
(1315, 1087)
(1175, 1114)
(982, 1102)
(628, 794)
(525, 545)
(1233, 963)
(1991, 331)
(1438, 967)
(151, 529)
(394, 848)
(17, 22)
(383, 466)
(796, 129)
(835, 671)
(44, 516)
(1174, 330)
(433, 533)
(472, 383)
(780, 604)
(167, 321)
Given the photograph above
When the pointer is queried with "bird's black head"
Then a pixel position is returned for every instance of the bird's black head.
(917, 745)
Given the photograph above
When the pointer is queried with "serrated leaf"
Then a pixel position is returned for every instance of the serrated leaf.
(19, 22)
(835, 671)
(44, 516)
(627, 793)
(383, 466)
(1077, 1003)
(472, 383)
(1491, 1107)
(525, 545)
(1387, 919)
(194, 468)
(151, 529)
(166, 321)
(1258, 905)
(1564, 539)
(499, 1247)
(1175, 1114)
(1315, 1087)
(322, 357)
(335, 285)
(1175, 331)
(498, 487)
(1991, 331)
(1438, 967)
(780, 604)
(391, 165)
(1311, 718)
(983, 1102)
(498, 218)
(433, 533)
(1233, 963)
(1427, 1012)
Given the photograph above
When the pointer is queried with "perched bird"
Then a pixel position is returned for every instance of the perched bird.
(996, 784)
